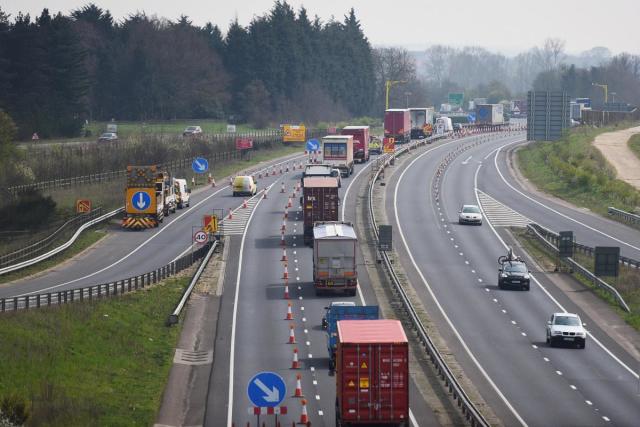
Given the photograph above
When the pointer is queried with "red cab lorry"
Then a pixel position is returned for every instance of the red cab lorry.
(360, 142)
(397, 124)
(320, 202)
(372, 373)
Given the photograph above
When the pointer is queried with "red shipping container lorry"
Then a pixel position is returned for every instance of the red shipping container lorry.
(372, 373)
(397, 124)
(360, 142)
(320, 201)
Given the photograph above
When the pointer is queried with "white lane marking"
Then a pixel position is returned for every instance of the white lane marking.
(146, 241)
(534, 346)
(235, 314)
(588, 402)
(602, 346)
(546, 359)
(606, 418)
(495, 161)
(435, 299)
(573, 387)
(558, 372)
(465, 162)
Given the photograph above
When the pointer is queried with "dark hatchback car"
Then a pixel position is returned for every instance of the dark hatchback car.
(513, 273)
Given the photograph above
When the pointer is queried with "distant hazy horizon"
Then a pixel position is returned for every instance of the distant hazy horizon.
(497, 25)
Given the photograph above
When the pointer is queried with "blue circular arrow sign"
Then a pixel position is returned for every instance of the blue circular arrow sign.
(266, 389)
(313, 145)
(200, 165)
(140, 201)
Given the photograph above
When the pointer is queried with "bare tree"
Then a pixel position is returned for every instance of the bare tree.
(553, 53)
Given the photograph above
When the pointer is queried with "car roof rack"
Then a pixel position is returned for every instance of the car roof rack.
(509, 257)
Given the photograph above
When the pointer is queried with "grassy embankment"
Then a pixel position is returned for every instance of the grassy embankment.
(627, 284)
(574, 170)
(100, 363)
(84, 240)
(634, 144)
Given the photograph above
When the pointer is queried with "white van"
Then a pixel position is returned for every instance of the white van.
(183, 193)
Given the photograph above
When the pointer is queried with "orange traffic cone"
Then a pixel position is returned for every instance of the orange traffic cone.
(295, 364)
(213, 182)
(286, 291)
(286, 213)
(292, 337)
(282, 189)
(230, 214)
(298, 392)
(260, 175)
(289, 203)
(285, 276)
(284, 226)
(289, 312)
(230, 180)
(280, 170)
(304, 417)
(284, 255)
(282, 242)
(264, 193)
(244, 204)
(287, 168)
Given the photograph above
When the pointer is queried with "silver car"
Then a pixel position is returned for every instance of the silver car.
(566, 328)
(470, 214)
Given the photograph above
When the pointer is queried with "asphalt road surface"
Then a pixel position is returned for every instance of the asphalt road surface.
(499, 336)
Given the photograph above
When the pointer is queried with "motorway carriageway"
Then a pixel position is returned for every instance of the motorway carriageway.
(499, 336)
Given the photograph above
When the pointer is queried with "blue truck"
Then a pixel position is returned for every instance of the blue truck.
(344, 310)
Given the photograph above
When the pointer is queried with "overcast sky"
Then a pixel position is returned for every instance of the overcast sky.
(507, 26)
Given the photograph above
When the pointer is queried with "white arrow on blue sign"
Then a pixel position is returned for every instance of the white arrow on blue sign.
(140, 200)
(313, 145)
(266, 389)
(200, 165)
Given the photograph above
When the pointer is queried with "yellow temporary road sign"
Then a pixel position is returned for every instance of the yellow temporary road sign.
(210, 223)
(292, 133)
(83, 206)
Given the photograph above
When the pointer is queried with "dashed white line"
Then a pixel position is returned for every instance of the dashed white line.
(573, 387)
(588, 402)
(546, 359)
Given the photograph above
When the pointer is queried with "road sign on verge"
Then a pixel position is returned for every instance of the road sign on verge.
(140, 200)
(385, 233)
(565, 244)
(83, 206)
(210, 223)
(200, 165)
(313, 145)
(606, 261)
(201, 237)
(388, 145)
(266, 389)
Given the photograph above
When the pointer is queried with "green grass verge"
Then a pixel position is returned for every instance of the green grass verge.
(634, 144)
(574, 170)
(103, 363)
(627, 284)
(84, 240)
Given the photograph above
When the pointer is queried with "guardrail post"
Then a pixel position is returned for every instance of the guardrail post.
(2, 304)
(135, 283)
(122, 287)
(115, 288)
(129, 285)
(59, 299)
(49, 299)
(26, 302)
(154, 276)
(15, 303)
(99, 291)
(38, 301)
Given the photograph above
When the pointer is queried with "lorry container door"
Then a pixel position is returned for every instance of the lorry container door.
(372, 373)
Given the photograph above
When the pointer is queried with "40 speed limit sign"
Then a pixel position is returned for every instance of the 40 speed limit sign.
(201, 237)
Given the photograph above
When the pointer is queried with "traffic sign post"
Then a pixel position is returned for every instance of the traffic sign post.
(313, 145)
(266, 390)
(201, 237)
(200, 165)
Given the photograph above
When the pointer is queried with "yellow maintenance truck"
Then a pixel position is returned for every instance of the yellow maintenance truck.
(149, 197)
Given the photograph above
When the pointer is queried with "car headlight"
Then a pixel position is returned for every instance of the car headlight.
(556, 333)
(581, 334)
(503, 275)
(526, 277)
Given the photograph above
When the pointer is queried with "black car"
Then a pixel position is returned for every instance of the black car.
(513, 273)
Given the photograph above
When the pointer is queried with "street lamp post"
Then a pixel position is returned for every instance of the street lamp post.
(606, 90)
(407, 94)
(388, 84)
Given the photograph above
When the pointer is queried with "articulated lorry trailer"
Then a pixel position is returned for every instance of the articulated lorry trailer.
(397, 124)
(334, 258)
(320, 202)
(372, 374)
(360, 142)
(421, 122)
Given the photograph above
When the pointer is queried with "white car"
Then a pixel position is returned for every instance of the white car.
(470, 214)
(192, 131)
(566, 328)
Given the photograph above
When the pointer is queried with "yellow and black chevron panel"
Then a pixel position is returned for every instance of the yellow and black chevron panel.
(133, 223)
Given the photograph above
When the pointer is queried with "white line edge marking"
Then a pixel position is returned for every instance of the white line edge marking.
(620, 362)
(360, 295)
(235, 311)
(150, 238)
(495, 161)
(444, 314)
